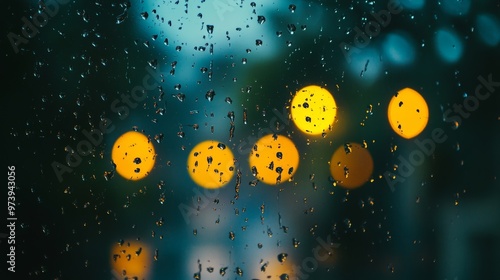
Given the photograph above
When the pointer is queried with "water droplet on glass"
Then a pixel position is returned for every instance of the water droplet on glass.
(261, 19)
(210, 29)
(282, 257)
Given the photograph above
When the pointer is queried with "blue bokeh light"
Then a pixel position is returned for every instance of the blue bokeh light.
(398, 49)
(448, 45)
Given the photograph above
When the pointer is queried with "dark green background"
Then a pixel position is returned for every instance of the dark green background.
(405, 234)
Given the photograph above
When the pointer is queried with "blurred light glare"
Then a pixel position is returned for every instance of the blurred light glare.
(488, 27)
(456, 7)
(448, 45)
(398, 49)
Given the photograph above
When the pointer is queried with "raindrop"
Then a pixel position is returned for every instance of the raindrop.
(180, 96)
(153, 63)
(284, 276)
(282, 257)
(292, 8)
(210, 95)
(261, 19)
(221, 146)
(347, 148)
(254, 171)
(144, 15)
(239, 271)
(271, 165)
(210, 29)
(222, 271)
(264, 267)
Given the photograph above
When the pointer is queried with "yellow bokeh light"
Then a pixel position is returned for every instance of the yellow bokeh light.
(134, 155)
(408, 113)
(131, 259)
(351, 165)
(313, 110)
(274, 159)
(211, 164)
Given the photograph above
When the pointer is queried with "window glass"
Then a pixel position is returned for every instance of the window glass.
(214, 139)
